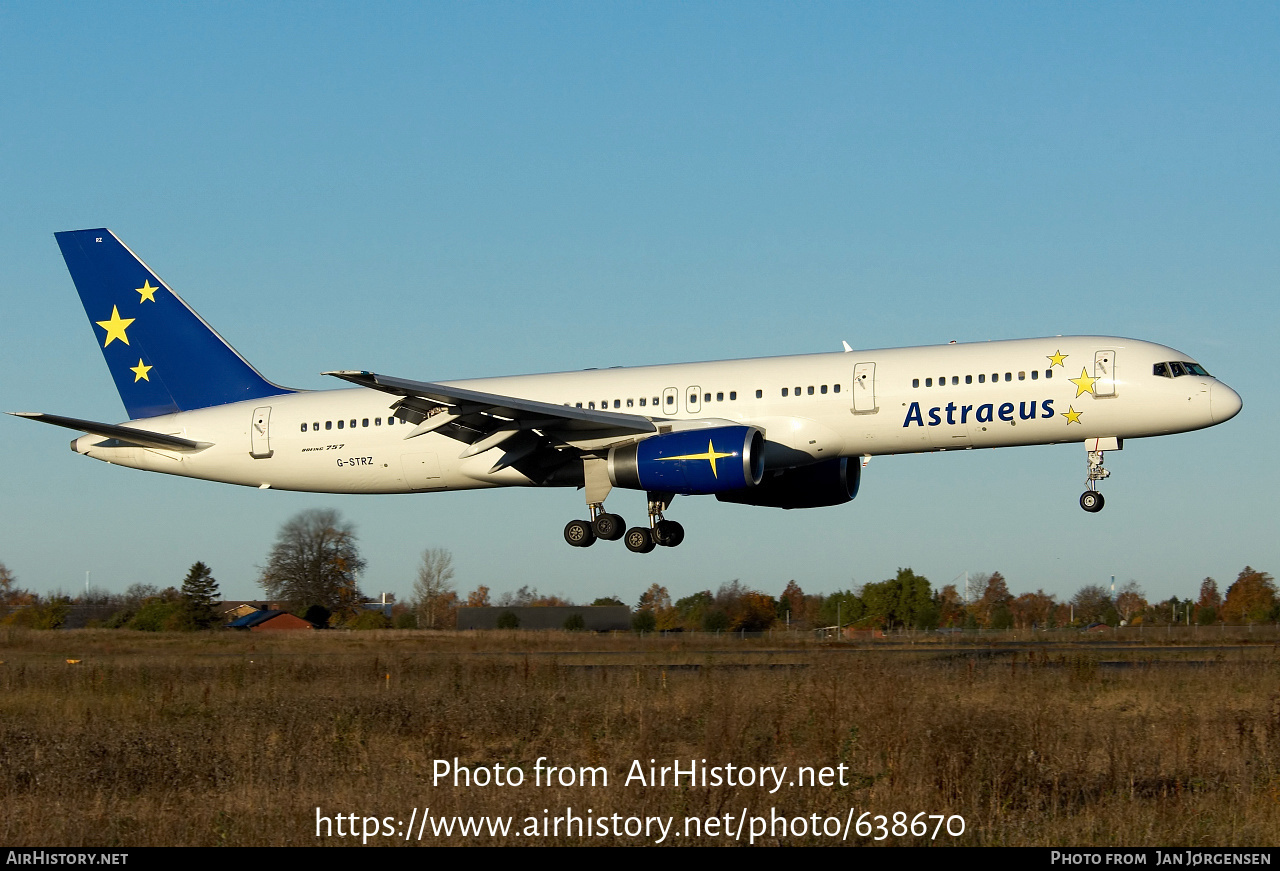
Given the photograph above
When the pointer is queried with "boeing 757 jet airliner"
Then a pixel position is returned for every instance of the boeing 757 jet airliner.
(784, 432)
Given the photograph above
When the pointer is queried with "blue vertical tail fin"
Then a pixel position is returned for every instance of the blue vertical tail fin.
(162, 355)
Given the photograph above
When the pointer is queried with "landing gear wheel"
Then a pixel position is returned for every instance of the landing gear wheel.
(579, 533)
(668, 533)
(639, 540)
(609, 527)
(1092, 501)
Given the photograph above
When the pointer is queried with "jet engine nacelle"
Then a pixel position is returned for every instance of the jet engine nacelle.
(691, 462)
(830, 482)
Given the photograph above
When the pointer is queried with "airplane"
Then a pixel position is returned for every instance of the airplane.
(782, 432)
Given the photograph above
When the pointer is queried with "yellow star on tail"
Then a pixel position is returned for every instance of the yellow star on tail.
(140, 371)
(115, 327)
(710, 455)
(1072, 416)
(1084, 384)
(1057, 359)
(148, 292)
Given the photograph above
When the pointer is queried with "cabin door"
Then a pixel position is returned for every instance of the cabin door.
(260, 433)
(864, 388)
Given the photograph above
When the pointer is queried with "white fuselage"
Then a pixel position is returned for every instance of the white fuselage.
(811, 407)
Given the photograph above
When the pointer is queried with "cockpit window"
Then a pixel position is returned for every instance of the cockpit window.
(1162, 369)
(1196, 369)
(1177, 369)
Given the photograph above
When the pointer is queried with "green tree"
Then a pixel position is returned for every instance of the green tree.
(315, 561)
(613, 601)
(199, 595)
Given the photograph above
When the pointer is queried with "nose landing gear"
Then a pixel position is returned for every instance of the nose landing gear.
(1091, 500)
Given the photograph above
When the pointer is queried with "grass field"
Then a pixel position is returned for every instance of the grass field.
(222, 738)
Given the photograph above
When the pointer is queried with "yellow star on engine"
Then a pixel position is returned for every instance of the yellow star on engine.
(140, 371)
(1072, 416)
(1058, 359)
(115, 327)
(710, 455)
(1084, 384)
(148, 292)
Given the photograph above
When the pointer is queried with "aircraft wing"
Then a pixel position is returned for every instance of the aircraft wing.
(461, 404)
(535, 437)
(125, 434)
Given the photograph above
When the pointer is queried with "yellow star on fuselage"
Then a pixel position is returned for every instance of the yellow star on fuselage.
(115, 327)
(148, 292)
(1072, 416)
(1058, 359)
(1084, 384)
(140, 371)
(711, 455)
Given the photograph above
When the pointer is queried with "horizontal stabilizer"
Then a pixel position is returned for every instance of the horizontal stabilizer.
(126, 434)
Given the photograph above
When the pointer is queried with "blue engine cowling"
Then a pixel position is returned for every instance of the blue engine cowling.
(830, 482)
(691, 462)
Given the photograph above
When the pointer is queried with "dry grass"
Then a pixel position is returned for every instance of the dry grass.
(236, 739)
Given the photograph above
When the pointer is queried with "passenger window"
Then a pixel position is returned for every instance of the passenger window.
(955, 379)
(797, 391)
(328, 424)
(579, 405)
(1048, 373)
(353, 423)
(733, 395)
(707, 397)
(982, 379)
(364, 422)
(591, 405)
(304, 427)
(1008, 376)
(642, 402)
(719, 397)
(1035, 374)
(316, 426)
(655, 401)
(915, 382)
(810, 389)
(377, 421)
(630, 403)
(928, 382)
(1022, 376)
(671, 400)
(617, 403)
(995, 376)
(759, 394)
(784, 391)
(822, 389)
(836, 388)
(968, 379)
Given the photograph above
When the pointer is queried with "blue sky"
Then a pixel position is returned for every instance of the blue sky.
(452, 190)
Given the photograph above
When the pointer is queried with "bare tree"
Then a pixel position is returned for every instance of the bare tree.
(434, 597)
(315, 561)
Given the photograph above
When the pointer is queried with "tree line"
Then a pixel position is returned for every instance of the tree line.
(314, 566)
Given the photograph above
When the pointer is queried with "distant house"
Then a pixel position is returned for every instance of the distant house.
(595, 618)
(230, 609)
(271, 621)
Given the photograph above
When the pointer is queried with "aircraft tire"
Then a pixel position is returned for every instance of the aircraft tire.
(639, 539)
(579, 533)
(1091, 501)
(668, 533)
(609, 527)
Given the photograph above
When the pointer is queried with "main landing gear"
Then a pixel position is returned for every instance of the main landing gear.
(1091, 500)
(638, 539)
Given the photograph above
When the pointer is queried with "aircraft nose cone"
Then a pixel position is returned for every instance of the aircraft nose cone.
(1224, 403)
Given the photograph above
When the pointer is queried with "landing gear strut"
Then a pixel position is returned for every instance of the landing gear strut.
(1091, 500)
(611, 527)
